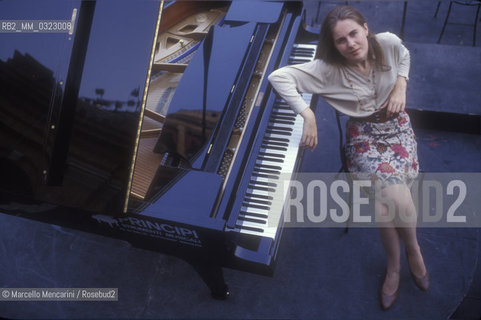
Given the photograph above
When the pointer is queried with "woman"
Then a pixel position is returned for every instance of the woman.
(364, 76)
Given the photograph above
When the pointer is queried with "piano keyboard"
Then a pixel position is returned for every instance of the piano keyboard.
(302, 53)
(263, 202)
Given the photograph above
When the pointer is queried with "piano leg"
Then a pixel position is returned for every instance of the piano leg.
(213, 277)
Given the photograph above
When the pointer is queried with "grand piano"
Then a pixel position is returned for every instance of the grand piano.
(154, 123)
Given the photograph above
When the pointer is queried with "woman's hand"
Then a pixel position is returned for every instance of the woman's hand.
(396, 102)
(309, 131)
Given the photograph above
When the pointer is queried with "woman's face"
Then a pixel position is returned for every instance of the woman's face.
(350, 39)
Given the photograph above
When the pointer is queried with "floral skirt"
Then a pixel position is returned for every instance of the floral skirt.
(385, 153)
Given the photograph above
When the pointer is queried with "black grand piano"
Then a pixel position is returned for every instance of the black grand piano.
(154, 123)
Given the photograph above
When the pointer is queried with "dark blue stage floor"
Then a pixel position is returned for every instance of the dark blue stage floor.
(321, 273)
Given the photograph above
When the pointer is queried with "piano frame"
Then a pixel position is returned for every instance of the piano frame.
(207, 242)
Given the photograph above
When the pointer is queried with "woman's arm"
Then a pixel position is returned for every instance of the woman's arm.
(291, 80)
(396, 102)
(309, 130)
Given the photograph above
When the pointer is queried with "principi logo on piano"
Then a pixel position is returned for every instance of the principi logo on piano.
(152, 229)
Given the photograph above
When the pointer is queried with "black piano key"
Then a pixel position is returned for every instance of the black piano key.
(268, 166)
(257, 206)
(254, 214)
(271, 159)
(277, 139)
(302, 56)
(264, 170)
(249, 201)
(262, 183)
(303, 47)
(279, 128)
(263, 158)
(284, 122)
(283, 118)
(274, 148)
(303, 53)
(253, 195)
(267, 176)
(279, 106)
(299, 61)
(274, 143)
(282, 113)
(280, 121)
(259, 221)
(287, 109)
(281, 133)
(254, 187)
(249, 228)
(306, 56)
(270, 154)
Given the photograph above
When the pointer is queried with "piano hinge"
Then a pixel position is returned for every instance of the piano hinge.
(210, 148)
(72, 22)
(259, 99)
(232, 90)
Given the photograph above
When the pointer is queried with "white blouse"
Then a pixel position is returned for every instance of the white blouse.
(333, 83)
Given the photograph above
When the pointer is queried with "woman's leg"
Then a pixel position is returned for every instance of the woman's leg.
(405, 221)
(390, 240)
(407, 231)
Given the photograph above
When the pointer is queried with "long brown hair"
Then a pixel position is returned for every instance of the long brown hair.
(326, 49)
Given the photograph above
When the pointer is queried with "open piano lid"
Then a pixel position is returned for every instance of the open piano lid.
(199, 101)
(99, 139)
(97, 136)
(205, 90)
